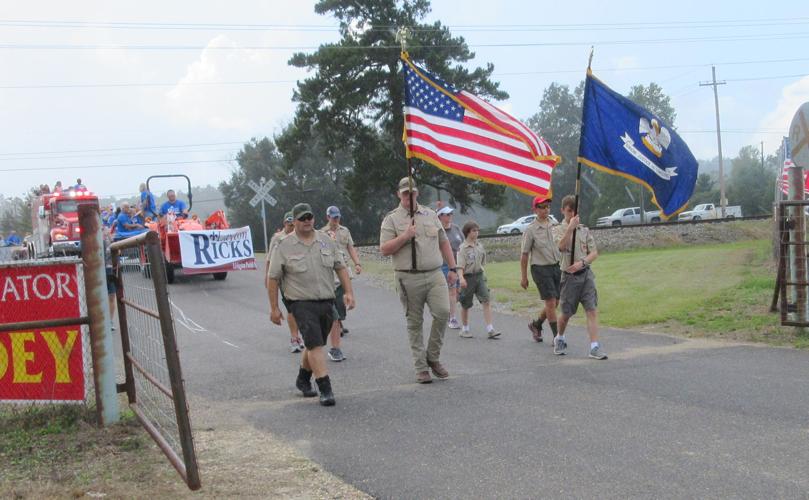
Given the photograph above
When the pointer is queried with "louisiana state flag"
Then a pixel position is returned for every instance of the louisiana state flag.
(621, 138)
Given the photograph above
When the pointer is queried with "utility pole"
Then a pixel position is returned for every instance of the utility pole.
(762, 154)
(715, 84)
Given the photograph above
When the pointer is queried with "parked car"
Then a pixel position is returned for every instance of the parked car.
(706, 211)
(519, 225)
(624, 216)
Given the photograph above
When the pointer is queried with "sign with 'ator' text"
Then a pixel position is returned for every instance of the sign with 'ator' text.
(213, 251)
(41, 364)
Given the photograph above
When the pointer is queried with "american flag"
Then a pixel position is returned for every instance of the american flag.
(784, 184)
(462, 134)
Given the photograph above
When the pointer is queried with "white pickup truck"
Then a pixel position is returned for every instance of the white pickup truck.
(625, 216)
(710, 211)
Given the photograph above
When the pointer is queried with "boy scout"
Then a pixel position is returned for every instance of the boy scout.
(471, 258)
(423, 284)
(578, 280)
(295, 342)
(304, 263)
(539, 243)
(345, 243)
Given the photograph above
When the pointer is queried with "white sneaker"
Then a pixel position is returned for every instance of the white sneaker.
(453, 324)
(465, 334)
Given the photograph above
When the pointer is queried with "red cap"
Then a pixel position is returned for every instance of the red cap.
(540, 199)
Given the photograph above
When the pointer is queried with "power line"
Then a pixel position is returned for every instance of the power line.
(121, 148)
(145, 84)
(131, 153)
(115, 165)
(457, 27)
(727, 38)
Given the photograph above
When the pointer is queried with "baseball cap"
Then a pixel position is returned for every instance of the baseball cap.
(301, 209)
(445, 210)
(541, 199)
(404, 185)
(288, 217)
(332, 212)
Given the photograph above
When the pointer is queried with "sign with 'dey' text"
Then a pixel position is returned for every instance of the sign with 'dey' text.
(41, 364)
(214, 251)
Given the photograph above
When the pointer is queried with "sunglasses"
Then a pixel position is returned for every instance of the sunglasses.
(306, 217)
(542, 205)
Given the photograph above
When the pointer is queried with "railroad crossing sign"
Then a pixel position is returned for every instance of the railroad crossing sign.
(262, 192)
(799, 136)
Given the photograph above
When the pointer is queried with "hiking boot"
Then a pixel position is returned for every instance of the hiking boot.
(295, 346)
(326, 395)
(438, 370)
(597, 353)
(336, 355)
(453, 324)
(424, 377)
(494, 334)
(465, 334)
(536, 330)
(304, 383)
(559, 346)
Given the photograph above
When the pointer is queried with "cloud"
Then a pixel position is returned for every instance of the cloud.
(792, 97)
(244, 107)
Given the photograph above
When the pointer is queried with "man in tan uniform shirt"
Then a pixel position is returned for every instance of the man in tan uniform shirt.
(424, 284)
(304, 262)
(539, 244)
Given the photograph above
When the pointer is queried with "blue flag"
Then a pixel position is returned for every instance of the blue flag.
(621, 138)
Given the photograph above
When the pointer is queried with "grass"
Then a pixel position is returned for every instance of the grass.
(719, 291)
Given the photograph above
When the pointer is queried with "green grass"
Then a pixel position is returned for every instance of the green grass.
(720, 290)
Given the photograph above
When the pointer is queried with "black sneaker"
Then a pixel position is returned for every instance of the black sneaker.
(536, 330)
(326, 394)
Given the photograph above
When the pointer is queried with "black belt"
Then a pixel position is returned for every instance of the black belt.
(414, 271)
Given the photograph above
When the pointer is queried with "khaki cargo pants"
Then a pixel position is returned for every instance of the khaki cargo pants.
(415, 290)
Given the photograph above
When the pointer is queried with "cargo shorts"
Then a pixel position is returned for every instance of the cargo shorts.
(548, 280)
(475, 285)
(314, 318)
(578, 288)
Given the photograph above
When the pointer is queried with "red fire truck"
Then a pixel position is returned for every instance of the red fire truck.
(55, 222)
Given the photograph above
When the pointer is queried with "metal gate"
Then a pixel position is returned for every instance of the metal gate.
(154, 382)
(792, 283)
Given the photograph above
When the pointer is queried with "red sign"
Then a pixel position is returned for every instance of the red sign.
(41, 364)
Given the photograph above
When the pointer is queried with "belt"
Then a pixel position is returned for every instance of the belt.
(414, 271)
(577, 272)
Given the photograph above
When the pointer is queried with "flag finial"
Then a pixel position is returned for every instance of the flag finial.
(590, 60)
(402, 34)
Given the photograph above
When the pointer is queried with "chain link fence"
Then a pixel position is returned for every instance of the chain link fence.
(45, 345)
(154, 383)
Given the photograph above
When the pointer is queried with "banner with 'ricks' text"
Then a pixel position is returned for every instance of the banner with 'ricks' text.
(215, 251)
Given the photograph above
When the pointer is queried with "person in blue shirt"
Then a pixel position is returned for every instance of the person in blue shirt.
(148, 207)
(178, 207)
(129, 223)
(13, 239)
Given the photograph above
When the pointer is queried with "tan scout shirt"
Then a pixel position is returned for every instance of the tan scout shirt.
(539, 241)
(584, 243)
(306, 272)
(274, 242)
(343, 238)
(471, 257)
(429, 234)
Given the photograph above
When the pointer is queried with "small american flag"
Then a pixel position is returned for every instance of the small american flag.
(461, 133)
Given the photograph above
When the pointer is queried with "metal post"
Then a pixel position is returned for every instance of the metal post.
(264, 219)
(797, 255)
(715, 84)
(92, 250)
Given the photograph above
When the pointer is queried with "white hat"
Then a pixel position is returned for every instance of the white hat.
(445, 210)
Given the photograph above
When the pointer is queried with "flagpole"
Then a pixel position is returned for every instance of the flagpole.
(402, 35)
(578, 172)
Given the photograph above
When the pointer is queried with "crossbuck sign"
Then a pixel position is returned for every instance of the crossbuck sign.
(262, 193)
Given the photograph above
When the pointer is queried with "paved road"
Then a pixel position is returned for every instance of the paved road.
(663, 418)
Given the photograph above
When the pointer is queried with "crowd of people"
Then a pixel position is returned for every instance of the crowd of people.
(436, 264)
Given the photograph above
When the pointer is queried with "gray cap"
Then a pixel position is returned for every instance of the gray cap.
(405, 183)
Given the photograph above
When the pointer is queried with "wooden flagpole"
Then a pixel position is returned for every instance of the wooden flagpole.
(401, 35)
(578, 174)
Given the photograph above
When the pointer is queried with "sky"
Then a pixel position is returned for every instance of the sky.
(113, 92)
